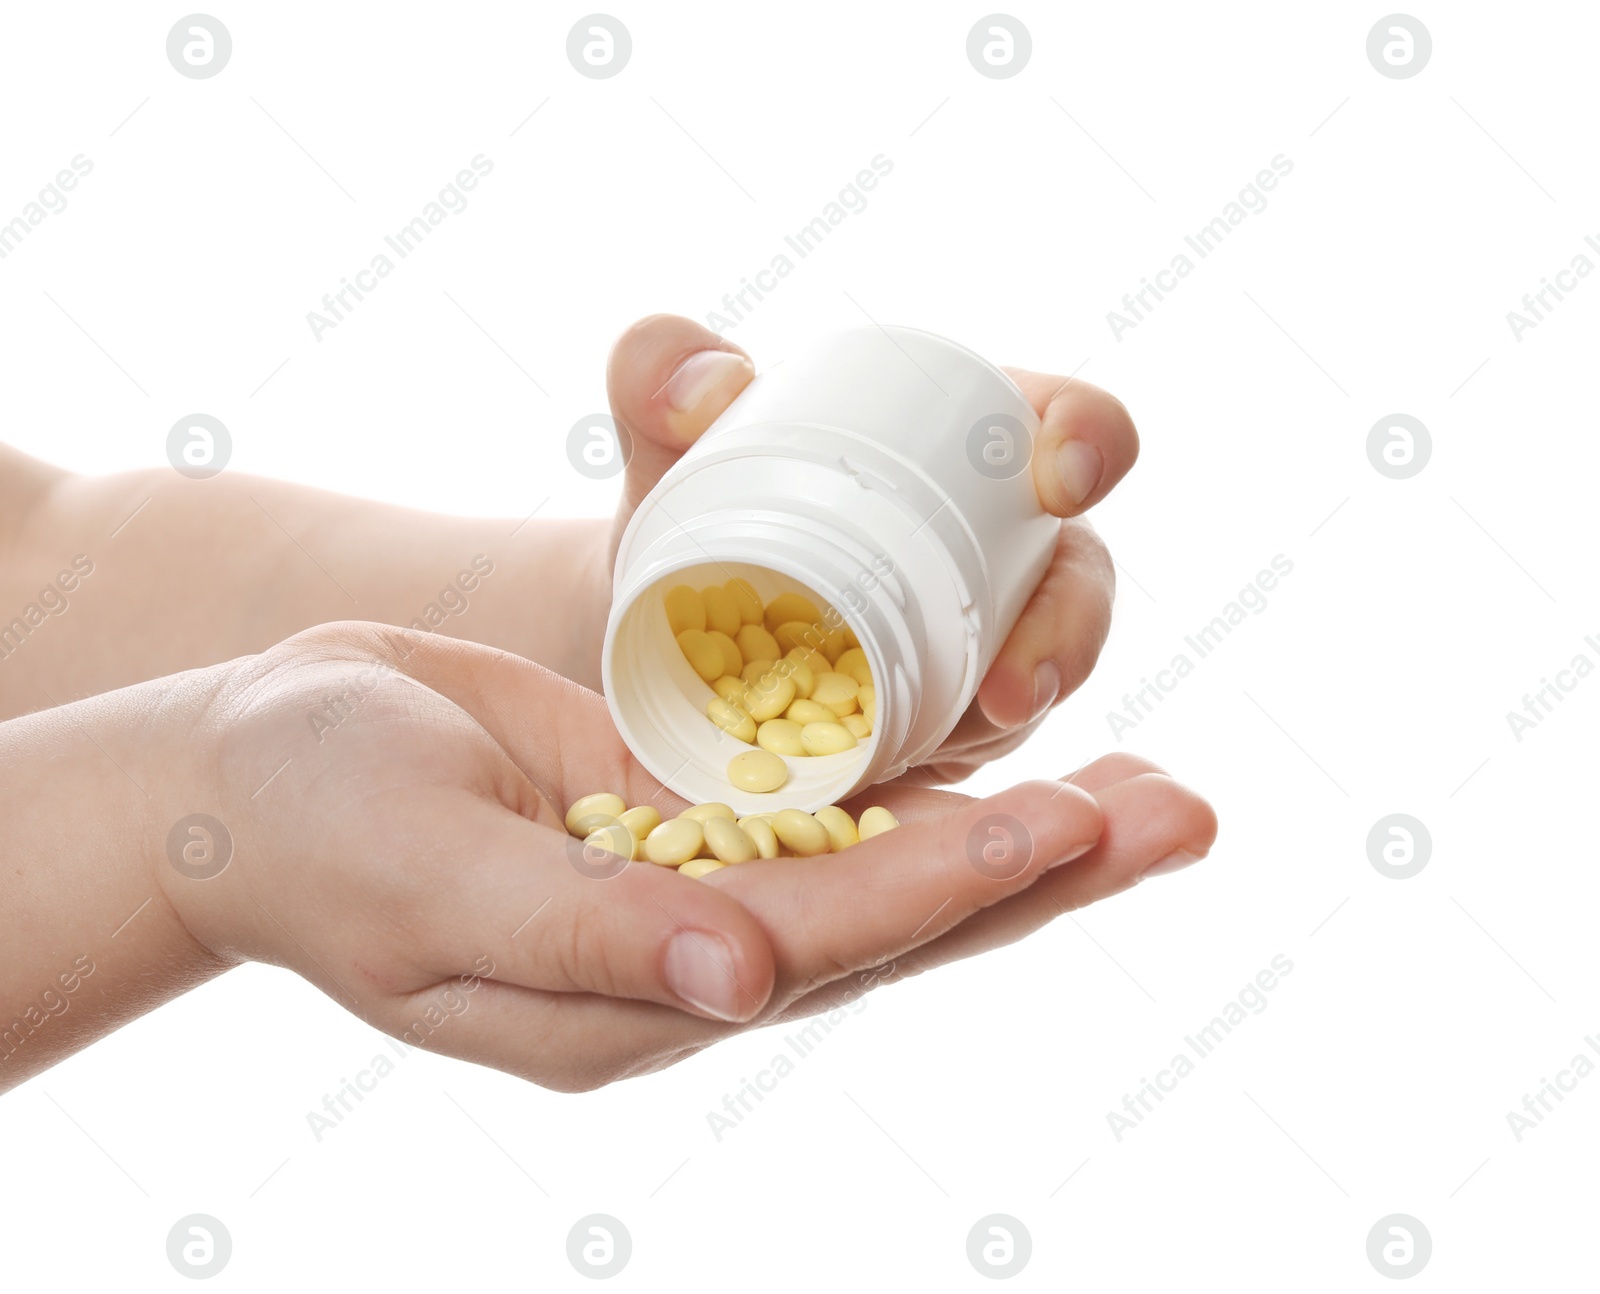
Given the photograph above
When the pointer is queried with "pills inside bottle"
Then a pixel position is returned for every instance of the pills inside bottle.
(769, 708)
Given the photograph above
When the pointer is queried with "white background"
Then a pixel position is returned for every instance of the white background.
(1377, 680)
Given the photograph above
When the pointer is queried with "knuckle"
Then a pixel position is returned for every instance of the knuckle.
(583, 959)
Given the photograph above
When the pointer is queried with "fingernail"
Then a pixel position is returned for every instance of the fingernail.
(699, 969)
(1046, 687)
(1079, 465)
(1077, 851)
(1176, 861)
(699, 375)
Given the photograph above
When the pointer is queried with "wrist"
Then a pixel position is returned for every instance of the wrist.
(192, 824)
(79, 900)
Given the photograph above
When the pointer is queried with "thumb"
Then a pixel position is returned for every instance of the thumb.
(667, 379)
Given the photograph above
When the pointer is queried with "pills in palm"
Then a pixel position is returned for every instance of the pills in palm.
(612, 806)
(704, 838)
(705, 812)
(759, 829)
(841, 828)
(801, 832)
(875, 821)
(729, 841)
(674, 843)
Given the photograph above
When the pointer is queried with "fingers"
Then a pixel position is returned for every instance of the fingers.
(668, 378)
(1087, 441)
(1151, 825)
(1057, 640)
(1108, 770)
(578, 1041)
(556, 736)
(568, 1042)
(829, 915)
(642, 933)
(530, 906)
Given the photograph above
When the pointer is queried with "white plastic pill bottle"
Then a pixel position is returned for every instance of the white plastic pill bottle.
(884, 474)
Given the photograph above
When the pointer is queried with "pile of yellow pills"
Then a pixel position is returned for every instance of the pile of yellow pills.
(706, 837)
(784, 682)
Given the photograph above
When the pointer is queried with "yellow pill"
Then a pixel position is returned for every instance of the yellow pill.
(674, 842)
(732, 658)
(781, 736)
(591, 823)
(867, 699)
(857, 724)
(797, 633)
(801, 674)
(826, 738)
(759, 829)
(722, 612)
(801, 832)
(833, 644)
(640, 822)
(836, 691)
(755, 643)
(768, 697)
(746, 599)
(875, 821)
(797, 673)
(758, 669)
(803, 712)
(686, 609)
(850, 639)
(757, 770)
(730, 842)
(790, 606)
(731, 719)
(614, 838)
(812, 659)
(703, 655)
(703, 813)
(698, 867)
(854, 663)
(585, 805)
(839, 825)
(730, 688)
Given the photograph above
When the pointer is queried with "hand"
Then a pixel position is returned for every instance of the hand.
(669, 378)
(395, 803)
(277, 557)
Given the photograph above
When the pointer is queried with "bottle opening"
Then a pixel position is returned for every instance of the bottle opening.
(669, 657)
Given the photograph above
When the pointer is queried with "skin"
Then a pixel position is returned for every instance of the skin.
(411, 856)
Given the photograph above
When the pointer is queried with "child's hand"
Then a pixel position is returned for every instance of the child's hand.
(395, 805)
(669, 378)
